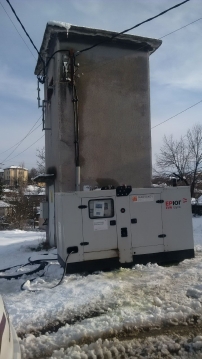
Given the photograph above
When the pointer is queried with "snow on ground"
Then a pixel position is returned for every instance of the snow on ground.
(101, 305)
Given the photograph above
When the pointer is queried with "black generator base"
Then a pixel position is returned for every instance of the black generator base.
(113, 263)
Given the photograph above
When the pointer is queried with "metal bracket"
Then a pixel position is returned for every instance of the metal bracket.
(43, 115)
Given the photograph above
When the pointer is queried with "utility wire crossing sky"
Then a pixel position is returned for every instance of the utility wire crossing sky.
(142, 8)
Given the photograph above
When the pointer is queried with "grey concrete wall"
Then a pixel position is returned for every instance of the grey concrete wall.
(114, 119)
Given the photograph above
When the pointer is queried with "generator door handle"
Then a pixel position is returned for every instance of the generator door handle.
(112, 223)
(133, 220)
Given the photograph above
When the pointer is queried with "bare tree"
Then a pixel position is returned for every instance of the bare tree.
(21, 208)
(1, 188)
(32, 173)
(40, 153)
(194, 137)
(183, 157)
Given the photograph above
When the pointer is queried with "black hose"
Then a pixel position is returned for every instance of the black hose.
(42, 264)
(16, 276)
(31, 280)
(63, 272)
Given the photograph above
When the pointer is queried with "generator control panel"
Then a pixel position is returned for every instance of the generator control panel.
(101, 208)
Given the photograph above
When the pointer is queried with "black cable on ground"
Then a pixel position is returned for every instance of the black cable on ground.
(37, 290)
(16, 276)
(63, 272)
(5, 269)
(42, 264)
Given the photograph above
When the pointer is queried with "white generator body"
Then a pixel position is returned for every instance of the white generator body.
(104, 229)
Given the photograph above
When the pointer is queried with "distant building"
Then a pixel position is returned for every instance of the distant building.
(1, 174)
(5, 208)
(15, 175)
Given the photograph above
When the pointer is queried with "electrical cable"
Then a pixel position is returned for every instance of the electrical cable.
(31, 280)
(62, 50)
(20, 143)
(41, 266)
(101, 63)
(49, 59)
(30, 131)
(117, 34)
(131, 28)
(25, 31)
(180, 28)
(18, 31)
(170, 118)
(26, 148)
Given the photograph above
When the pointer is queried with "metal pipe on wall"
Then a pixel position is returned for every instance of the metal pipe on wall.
(76, 122)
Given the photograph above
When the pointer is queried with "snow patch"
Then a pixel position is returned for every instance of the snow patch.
(65, 25)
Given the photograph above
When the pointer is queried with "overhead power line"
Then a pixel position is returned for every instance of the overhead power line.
(101, 63)
(20, 144)
(18, 31)
(170, 118)
(117, 34)
(26, 31)
(28, 133)
(26, 148)
(180, 28)
(133, 27)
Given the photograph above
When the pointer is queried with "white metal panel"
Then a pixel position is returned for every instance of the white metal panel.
(123, 225)
(177, 218)
(98, 233)
(69, 225)
(145, 209)
(149, 249)
(44, 210)
(110, 253)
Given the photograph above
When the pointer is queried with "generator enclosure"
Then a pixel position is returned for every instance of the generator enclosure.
(104, 229)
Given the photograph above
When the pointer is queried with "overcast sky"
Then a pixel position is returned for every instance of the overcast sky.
(175, 68)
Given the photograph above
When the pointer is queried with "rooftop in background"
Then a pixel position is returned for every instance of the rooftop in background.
(15, 167)
(68, 31)
(35, 191)
(4, 204)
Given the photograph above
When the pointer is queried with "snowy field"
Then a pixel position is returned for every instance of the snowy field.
(144, 312)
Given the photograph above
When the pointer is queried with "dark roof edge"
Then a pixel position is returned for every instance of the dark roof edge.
(44, 177)
(57, 27)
